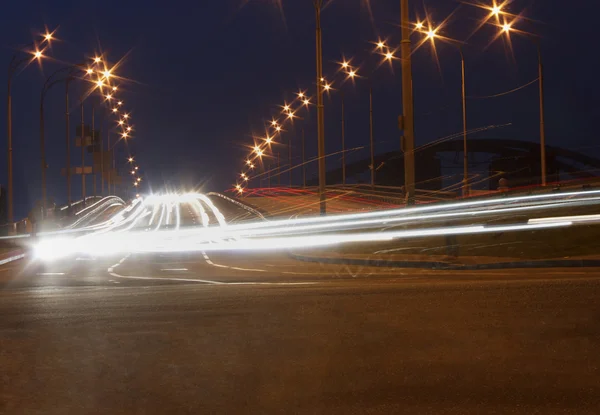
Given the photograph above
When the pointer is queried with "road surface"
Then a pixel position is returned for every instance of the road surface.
(262, 333)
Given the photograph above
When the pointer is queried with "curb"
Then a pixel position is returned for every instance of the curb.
(554, 263)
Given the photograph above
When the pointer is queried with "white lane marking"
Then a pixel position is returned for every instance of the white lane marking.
(11, 259)
(50, 273)
(174, 269)
(209, 262)
(111, 271)
(85, 259)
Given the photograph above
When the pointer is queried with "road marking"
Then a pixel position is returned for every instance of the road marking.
(111, 271)
(174, 269)
(50, 273)
(11, 259)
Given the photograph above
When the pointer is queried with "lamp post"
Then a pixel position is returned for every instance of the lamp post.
(407, 104)
(432, 35)
(13, 66)
(51, 81)
(320, 109)
(507, 29)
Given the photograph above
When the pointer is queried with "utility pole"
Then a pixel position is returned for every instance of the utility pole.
(290, 158)
(371, 137)
(303, 161)
(82, 155)
(68, 143)
(320, 110)
(343, 142)
(93, 146)
(542, 125)
(407, 104)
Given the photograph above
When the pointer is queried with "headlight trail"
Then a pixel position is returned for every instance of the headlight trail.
(123, 234)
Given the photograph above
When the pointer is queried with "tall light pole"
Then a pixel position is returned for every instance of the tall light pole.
(507, 29)
(407, 104)
(343, 140)
(51, 81)
(431, 35)
(320, 110)
(13, 66)
(371, 139)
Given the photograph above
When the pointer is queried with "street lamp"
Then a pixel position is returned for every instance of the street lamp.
(51, 81)
(431, 35)
(13, 66)
(408, 119)
(507, 29)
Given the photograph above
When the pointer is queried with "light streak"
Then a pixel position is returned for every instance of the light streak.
(305, 232)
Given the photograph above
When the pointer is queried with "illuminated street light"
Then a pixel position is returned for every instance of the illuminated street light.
(135, 184)
(37, 54)
(136, 167)
(248, 162)
(389, 56)
(300, 94)
(496, 10)
(125, 116)
(278, 128)
(419, 25)
(114, 110)
(114, 88)
(97, 59)
(89, 71)
(251, 165)
(120, 103)
(291, 115)
(506, 27)
(306, 102)
(327, 87)
(380, 45)
(48, 37)
(269, 140)
(99, 83)
(128, 128)
(345, 65)
(132, 171)
(352, 74)
(130, 159)
(259, 153)
(431, 34)
(124, 135)
(108, 97)
(121, 122)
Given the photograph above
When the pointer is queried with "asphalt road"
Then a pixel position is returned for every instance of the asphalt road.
(262, 333)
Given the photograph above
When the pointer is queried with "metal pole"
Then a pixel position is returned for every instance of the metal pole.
(303, 161)
(105, 118)
(114, 168)
(290, 158)
(109, 170)
(542, 126)
(278, 170)
(82, 155)
(9, 141)
(466, 189)
(43, 153)
(371, 137)
(68, 144)
(93, 147)
(407, 104)
(320, 110)
(343, 142)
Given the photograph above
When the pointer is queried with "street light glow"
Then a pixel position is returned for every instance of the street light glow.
(431, 34)
(345, 65)
(114, 88)
(121, 122)
(124, 135)
(108, 97)
(496, 10)
(125, 116)
(120, 103)
(97, 59)
(128, 128)
(327, 87)
(506, 28)
(278, 128)
(37, 54)
(89, 71)
(300, 94)
(248, 162)
(352, 74)
(419, 25)
(48, 37)
(389, 56)
(269, 140)
(380, 45)
(306, 101)
(114, 110)
(99, 83)
(106, 74)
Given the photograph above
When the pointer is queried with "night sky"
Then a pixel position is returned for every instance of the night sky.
(206, 75)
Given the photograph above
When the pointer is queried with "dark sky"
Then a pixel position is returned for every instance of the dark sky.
(205, 75)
